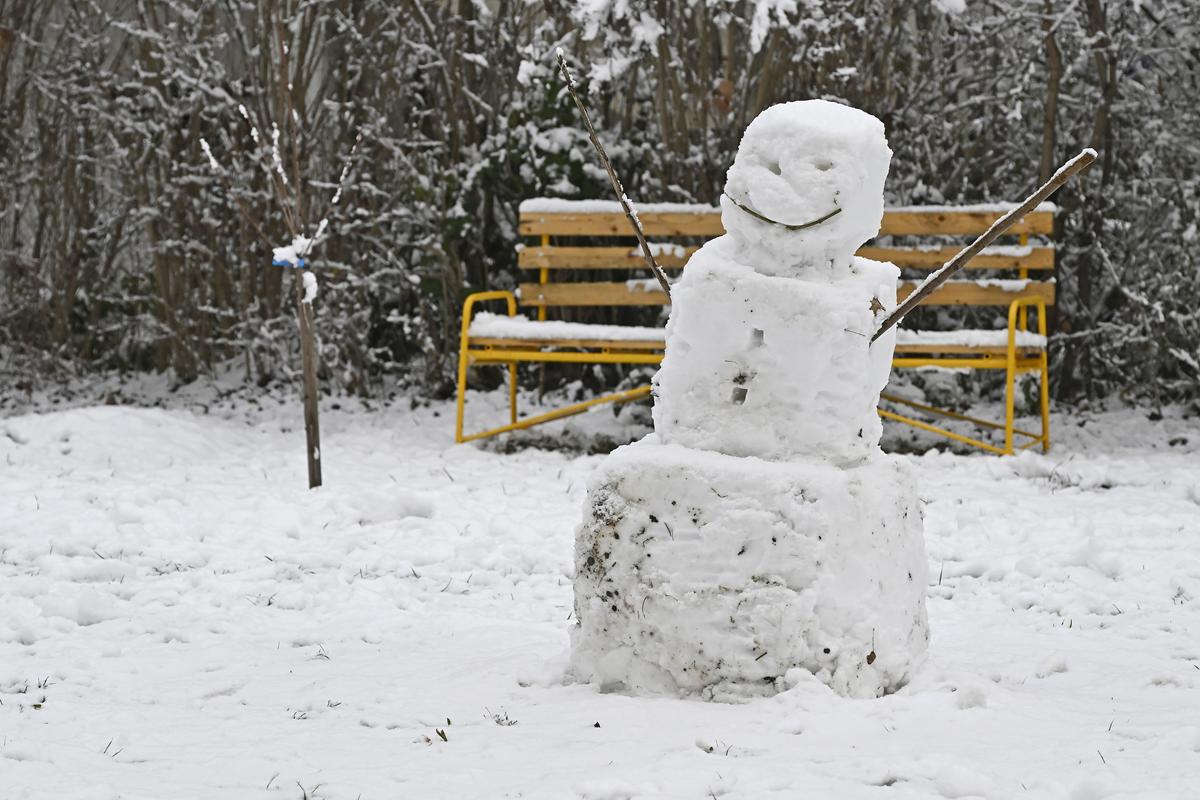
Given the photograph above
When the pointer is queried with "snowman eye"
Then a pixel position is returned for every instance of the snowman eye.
(823, 164)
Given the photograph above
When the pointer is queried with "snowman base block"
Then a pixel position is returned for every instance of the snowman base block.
(702, 572)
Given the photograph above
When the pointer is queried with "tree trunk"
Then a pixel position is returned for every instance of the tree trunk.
(1050, 107)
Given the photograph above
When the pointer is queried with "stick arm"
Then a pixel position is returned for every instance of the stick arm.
(647, 253)
(997, 229)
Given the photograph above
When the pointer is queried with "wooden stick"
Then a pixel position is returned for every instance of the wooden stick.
(308, 358)
(997, 229)
(612, 176)
(304, 310)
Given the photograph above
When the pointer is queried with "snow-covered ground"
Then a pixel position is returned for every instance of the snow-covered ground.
(180, 618)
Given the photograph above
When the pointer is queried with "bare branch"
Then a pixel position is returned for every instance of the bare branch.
(612, 176)
(997, 229)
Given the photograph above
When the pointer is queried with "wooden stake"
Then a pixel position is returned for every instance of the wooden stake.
(612, 177)
(290, 197)
(308, 356)
(936, 279)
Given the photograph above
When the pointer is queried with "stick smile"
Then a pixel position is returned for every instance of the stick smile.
(765, 218)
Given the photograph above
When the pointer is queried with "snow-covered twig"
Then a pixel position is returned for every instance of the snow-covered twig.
(223, 177)
(337, 194)
(253, 128)
(626, 205)
(276, 159)
(212, 161)
(276, 171)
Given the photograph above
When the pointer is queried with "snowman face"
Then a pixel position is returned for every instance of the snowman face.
(806, 185)
(776, 189)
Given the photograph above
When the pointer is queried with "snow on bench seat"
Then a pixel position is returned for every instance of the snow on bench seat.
(487, 325)
(967, 338)
(561, 205)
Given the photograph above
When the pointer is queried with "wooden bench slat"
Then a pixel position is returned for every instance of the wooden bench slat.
(959, 223)
(910, 222)
(969, 293)
(588, 294)
(597, 258)
(952, 293)
(1038, 258)
(616, 224)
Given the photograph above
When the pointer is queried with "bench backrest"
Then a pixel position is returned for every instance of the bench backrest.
(916, 239)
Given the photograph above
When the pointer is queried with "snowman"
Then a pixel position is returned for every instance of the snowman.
(760, 532)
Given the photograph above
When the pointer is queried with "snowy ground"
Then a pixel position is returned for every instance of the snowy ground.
(179, 618)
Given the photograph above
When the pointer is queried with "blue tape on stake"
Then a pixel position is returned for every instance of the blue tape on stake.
(298, 265)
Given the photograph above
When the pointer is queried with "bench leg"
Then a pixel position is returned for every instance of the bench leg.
(1045, 402)
(464, 357)
(1010, 403)
(1010, 386)
(461, 399)
(512, 392)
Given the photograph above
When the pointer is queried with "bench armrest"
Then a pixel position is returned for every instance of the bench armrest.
(1014, 307)
(481, 297)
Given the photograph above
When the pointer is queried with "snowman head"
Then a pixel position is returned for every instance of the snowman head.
(806, 188)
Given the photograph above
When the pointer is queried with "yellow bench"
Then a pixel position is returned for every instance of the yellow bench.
(928, 237)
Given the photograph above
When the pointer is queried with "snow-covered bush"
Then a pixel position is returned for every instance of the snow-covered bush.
(121, 250)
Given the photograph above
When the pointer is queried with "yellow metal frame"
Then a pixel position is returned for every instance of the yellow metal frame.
(1013, 361)
(511, 356)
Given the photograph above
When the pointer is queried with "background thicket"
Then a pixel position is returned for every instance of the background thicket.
(122, 249)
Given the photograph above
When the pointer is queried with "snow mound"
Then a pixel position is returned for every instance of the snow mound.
(374, 506)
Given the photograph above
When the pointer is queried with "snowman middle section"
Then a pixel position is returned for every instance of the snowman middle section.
(774, 367)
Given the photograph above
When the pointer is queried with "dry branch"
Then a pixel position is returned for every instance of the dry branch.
(612, 176)
(997, 229)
